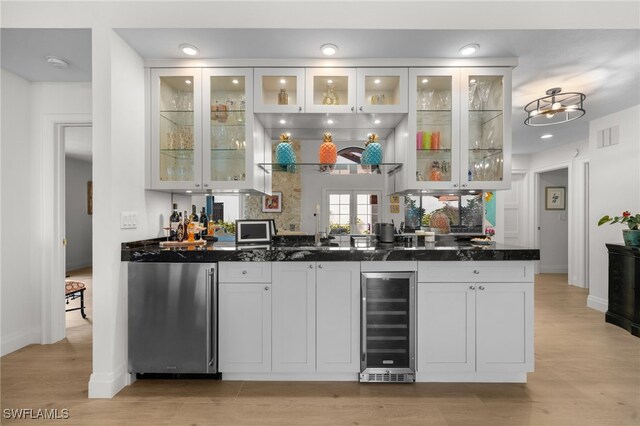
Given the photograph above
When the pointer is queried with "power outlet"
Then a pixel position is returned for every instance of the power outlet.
(128, 220)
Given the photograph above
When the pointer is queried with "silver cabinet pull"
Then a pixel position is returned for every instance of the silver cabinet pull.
(299, 109)
(472, 287)
(206, 185)
(361, 109)
(244, 272)
(197, 185)
(310, 266)
(353, 109)
(319, 266)
(266, 288)
(455, 185)
(464, 185)
(475, 271)
(481, 288)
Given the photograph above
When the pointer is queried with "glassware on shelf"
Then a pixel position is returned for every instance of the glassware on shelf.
(283, 97)
(435, 174)
(425, 99)
(484, 89)
(474, 102)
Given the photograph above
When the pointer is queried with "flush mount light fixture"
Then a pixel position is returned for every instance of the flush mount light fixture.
(546, 136)
(57, 62)
(329, 121)
(189, 49)
(329, 49)
(376, 121)
(469, 49)
(283, 121)
(555, 108)
(188, 191)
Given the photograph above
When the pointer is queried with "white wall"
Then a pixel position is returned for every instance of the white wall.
(19, 320)
(554, 226)
(614, 188)
(78, 221)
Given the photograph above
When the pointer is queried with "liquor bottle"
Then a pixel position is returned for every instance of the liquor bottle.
(204, 223)
(211, 226)
(180, 229)
(174, 219)
(193, 217)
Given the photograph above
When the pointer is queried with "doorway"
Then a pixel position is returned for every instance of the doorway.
(553, 221)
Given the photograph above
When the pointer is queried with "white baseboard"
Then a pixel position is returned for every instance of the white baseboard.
(19, 340)
(294, 377)
(597, 303)
(554, 269)
(472, 377)
(106, 385)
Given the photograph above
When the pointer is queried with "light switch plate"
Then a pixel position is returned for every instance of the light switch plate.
(128, 220)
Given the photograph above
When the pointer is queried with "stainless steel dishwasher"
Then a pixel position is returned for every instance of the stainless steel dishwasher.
(173, 318)
(388, 327)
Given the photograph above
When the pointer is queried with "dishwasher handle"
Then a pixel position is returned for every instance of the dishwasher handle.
(212, 319)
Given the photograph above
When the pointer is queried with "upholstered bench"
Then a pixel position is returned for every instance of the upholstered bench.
(73, 290)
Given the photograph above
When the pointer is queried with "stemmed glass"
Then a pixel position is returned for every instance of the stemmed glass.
(484, 88)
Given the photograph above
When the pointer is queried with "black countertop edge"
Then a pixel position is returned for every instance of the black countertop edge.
(623, 249)
(449, 252)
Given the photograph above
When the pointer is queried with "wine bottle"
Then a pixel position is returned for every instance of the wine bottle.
(180, 229)
(174, 219)
(204, 223)
(193, 217)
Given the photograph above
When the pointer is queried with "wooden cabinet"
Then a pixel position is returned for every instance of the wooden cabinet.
(475, 317)
(624, 288)
(294, 316)
(244, 327)
(460, 125)
(338, 316)
(203, 133)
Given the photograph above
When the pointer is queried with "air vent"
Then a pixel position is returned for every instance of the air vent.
(608, 137)
(386, 378)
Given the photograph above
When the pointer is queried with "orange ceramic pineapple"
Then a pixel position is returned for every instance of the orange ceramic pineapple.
(328, 151)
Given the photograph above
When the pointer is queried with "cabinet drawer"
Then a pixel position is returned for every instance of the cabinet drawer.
(244, 272)
(505, 271)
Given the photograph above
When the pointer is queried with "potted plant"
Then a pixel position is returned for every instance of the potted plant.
(631, 236)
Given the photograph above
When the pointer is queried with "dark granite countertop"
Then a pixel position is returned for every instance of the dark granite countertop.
(304, 250)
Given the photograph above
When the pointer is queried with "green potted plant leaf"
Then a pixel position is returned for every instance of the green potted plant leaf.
(631, 236)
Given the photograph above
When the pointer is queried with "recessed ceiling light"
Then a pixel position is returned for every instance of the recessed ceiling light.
(283, 121)
(329, 121)
(283, 81)
(425, 80)
(288, 134)
(469, 49)
(376, 81)
(546, 136)
(188, 81)
(235, 81)
(189, 49)
(330, 81)
(188, 191)
(329, 49)
(57, 62)
(376, 121)
(473, 80)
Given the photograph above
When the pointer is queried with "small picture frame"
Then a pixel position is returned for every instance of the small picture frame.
(90, 197)
(394, 208)
(272, 203)
(394, 199)
(555, 198)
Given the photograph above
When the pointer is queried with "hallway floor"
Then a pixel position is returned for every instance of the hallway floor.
(587, 373)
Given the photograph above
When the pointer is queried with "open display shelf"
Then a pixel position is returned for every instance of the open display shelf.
(339, 168)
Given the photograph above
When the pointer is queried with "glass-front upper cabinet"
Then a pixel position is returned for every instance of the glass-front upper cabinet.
(434, 114)
(486, 124)
(175, 128)
(330, 90)
(228, 129)
(382, 90)
(278, 90)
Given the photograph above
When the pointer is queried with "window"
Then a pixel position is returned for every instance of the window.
(464, 211)
(352, 212)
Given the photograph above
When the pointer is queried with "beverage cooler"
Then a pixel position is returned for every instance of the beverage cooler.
(388, 327)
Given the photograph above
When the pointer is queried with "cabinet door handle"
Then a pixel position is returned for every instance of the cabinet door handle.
(206, 185)
(361, 109)
(472, 287)
(266, 288)
(455, 185)
(319, 266)
(197, 185)
(244, 272)
(299, 109)
(310, 266)
(481, 288)
(475, 271)
(353, 109)
(464, 185)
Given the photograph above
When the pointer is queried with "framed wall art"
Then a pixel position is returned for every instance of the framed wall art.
(272, 203)
(555, 198)
(90, 197)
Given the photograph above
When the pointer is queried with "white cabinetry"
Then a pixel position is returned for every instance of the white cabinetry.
(203, 133)
(244, 316)
(472, 327)
(278, 90)
(331, 90)
(382, 90)
(294, 315)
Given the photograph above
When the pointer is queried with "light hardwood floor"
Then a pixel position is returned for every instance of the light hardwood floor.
(587, 373)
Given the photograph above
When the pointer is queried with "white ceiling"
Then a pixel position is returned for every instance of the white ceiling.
(603, 64)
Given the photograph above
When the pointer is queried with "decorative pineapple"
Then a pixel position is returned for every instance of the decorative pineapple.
(372, 154)
(328, 151)
(284, 152)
